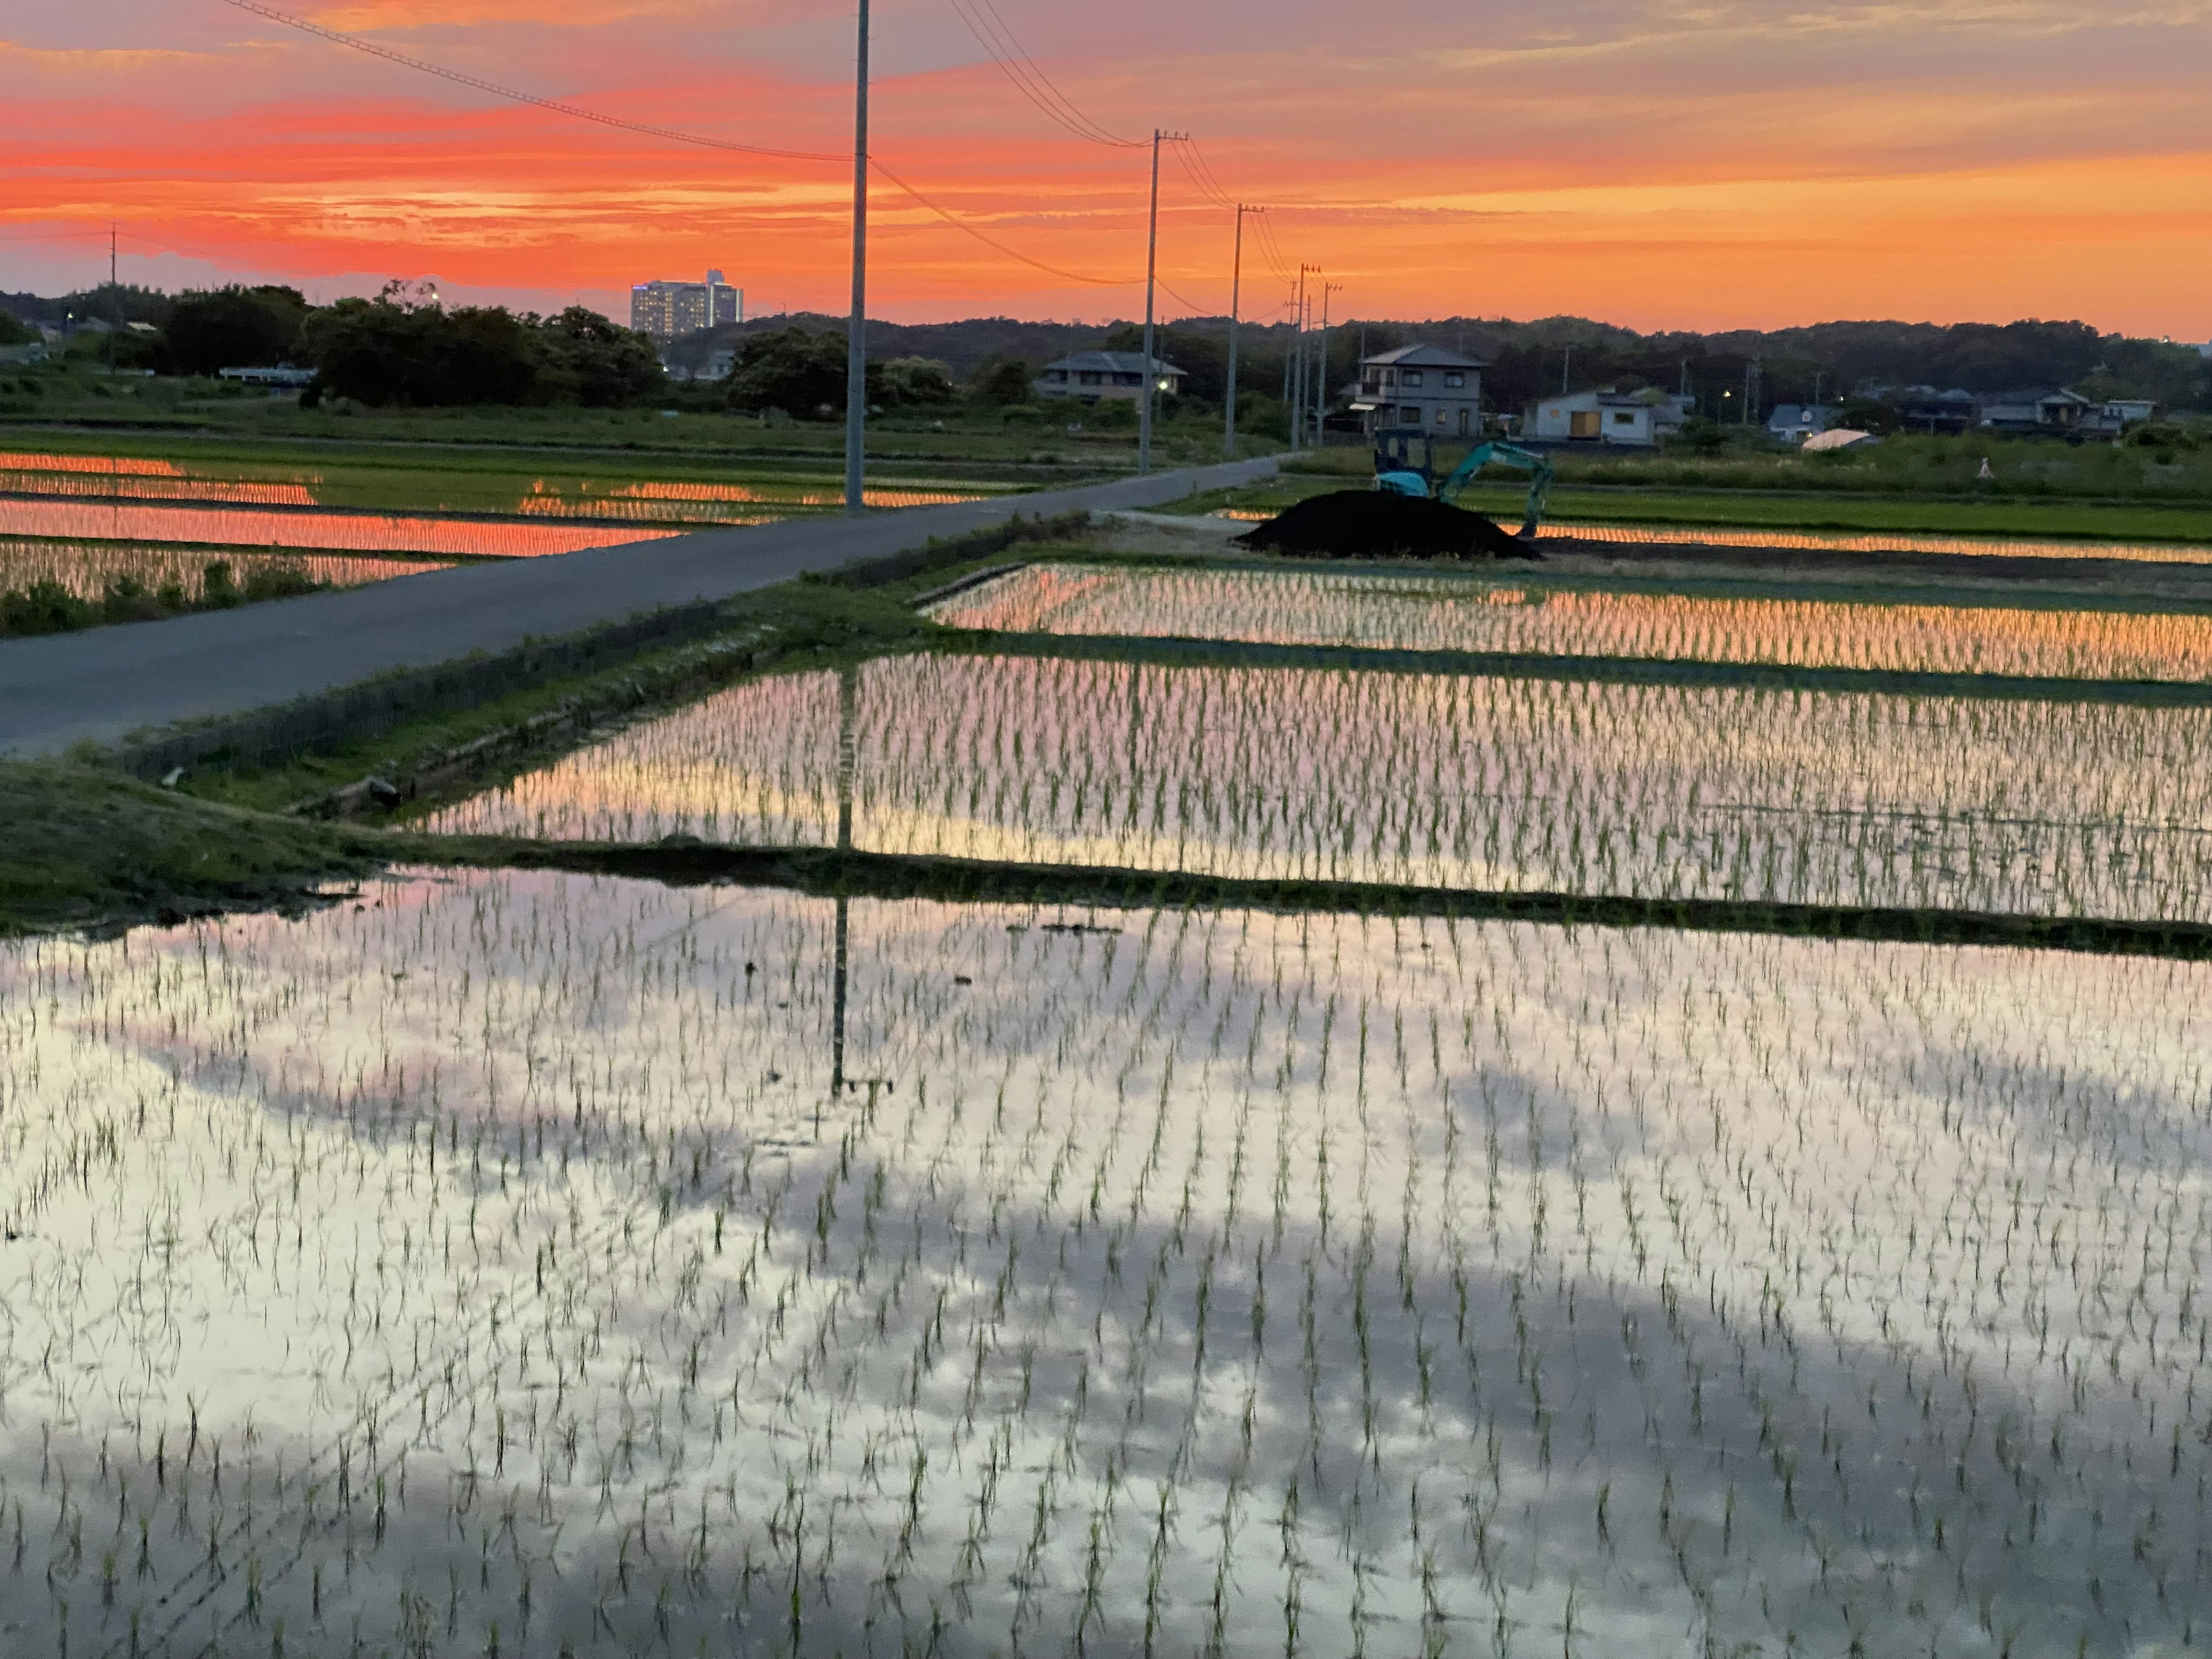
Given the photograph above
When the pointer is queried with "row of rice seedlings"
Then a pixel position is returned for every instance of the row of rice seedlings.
(661, 501)
(1719, 793)
(1880, 541)
(105, 466)
(1457, 614)
(133, 487)
(88, 570)
(125, 521)
(487, 1268)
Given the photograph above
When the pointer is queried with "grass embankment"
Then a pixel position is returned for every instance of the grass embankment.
(89, 849)
(1842, 512)
(800, 624)
(152, 413)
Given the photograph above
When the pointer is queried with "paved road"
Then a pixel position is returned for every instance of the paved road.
(105, 683)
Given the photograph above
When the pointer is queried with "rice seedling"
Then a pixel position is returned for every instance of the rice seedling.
(487, 1263)
(1658, 792)
(660, 501)
(89, 570)
(1885, 540)
(1459, 613)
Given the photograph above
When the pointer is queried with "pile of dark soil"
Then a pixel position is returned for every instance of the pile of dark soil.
(1356, 524)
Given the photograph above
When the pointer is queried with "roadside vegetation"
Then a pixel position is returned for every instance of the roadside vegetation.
(48, 607)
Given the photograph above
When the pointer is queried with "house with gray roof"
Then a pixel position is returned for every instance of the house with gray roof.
(1422, 385)
(1092, 375)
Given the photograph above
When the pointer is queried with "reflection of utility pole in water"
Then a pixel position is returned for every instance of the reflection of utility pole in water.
(849, 699)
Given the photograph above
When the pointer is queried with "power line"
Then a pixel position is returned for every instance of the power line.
(669, 134)
(958, 223)
(444, 74)
(999, 42)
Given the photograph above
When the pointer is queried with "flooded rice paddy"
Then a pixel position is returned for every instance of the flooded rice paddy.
(541, 1265)
(305, 530)
(1474, 614)
(1709, 792)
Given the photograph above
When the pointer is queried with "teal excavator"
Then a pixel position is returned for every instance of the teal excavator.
(1406, 465)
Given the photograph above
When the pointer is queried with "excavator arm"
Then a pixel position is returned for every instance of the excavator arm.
(1538, 467)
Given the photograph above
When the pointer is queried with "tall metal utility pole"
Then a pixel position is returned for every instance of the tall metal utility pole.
(1566, 368)
(1151, 281)
(856, 338)
(1320, 370)
(1236, 304)
(1299, 317)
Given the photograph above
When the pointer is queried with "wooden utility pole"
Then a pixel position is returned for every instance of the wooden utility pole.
(1236, 304)
(1152, 283)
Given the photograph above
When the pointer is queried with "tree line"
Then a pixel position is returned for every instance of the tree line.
(401, 349)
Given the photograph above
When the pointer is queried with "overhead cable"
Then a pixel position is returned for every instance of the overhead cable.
(670, 134)
(559, 108)
(999, 43)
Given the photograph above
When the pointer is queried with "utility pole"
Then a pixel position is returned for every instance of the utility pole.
(1321, 375)
(1300, 316)
(1566, 369)
(1151, 281)
(114, 299)
(856, 339)
(1236, 303)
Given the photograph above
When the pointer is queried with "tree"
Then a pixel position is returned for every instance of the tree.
(999, 382)
(912, 383)
(597, 363)
(798, 373)
(1870, 415)
(16, 333)
(233, 327)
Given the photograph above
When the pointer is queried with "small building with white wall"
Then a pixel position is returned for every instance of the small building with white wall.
(1611, 418)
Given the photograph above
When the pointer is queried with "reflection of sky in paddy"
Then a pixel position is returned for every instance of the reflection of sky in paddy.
(1249, 1275)
(1454, 781)
(307, 531)
(1460, 613)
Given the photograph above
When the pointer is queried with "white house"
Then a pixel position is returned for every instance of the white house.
(1092, 375)
(1422, 385)
(1615, 418)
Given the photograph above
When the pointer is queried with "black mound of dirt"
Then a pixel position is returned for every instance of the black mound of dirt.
(1355, 524)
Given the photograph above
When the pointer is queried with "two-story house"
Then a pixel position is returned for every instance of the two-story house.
(1422, 386)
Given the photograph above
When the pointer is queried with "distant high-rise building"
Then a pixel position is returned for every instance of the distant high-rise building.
(668, 311)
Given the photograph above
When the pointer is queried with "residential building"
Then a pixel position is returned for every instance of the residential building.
(19, 356)
(1924, 409)
(2064, 414)
(668, 311)
(1422, 386)
(1792, 423)
(1634, 420)
(1089, 376)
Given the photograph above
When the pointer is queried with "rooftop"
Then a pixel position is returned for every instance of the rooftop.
(1421, 356)
(1112, 362)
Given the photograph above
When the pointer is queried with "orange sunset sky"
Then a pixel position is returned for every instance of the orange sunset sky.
(1737, 163)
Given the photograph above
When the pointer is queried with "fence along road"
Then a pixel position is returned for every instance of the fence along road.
(105, 683)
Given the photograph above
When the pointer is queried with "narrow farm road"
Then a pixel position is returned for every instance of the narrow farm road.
(105, 683)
